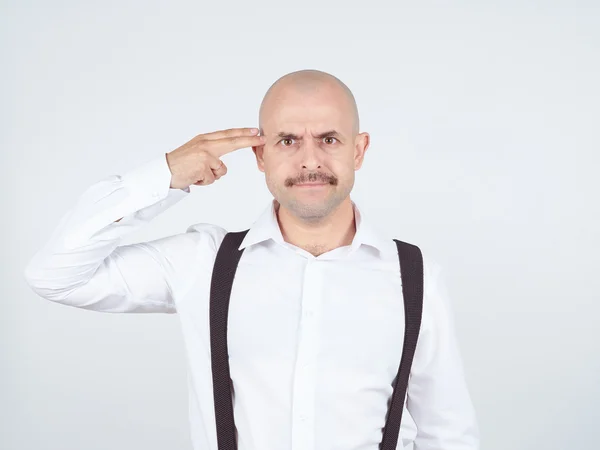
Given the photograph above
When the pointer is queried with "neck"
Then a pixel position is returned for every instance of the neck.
(333, 231)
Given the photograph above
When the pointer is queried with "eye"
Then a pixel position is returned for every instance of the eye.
(286, 139)
(330, 137)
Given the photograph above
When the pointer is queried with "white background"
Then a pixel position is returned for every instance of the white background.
(484, 123)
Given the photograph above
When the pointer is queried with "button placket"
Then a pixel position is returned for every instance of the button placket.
(304, 374)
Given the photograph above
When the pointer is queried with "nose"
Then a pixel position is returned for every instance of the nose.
(311, 158)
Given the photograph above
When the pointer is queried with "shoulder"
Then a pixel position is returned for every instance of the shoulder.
(436, 301)
(437, 304)
(194, 248)
(432, 270)
(206, 235)
(431, 266)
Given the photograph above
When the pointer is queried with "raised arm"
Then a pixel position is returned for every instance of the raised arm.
(83, 264)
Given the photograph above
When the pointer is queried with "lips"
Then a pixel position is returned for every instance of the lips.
(311, 184)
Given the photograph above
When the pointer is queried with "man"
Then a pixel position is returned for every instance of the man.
(316, 318)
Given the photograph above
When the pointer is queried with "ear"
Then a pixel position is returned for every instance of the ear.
(361, 144)
(259, 152)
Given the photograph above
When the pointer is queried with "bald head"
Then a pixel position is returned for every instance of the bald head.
(296, 86)
(312, 145)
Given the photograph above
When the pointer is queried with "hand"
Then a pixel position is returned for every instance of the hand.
(198, 161)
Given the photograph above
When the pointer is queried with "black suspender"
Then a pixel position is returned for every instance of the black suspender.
(224, 269)
(227, 259)
(411, 271)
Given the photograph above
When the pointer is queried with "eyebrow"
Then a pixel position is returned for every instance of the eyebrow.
(286, 135)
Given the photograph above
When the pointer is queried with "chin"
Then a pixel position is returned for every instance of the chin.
(307, 205)
(310, 210)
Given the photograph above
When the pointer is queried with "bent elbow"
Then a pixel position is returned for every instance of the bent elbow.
(44, 285)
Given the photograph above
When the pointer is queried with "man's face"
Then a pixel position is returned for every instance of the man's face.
(311, 151)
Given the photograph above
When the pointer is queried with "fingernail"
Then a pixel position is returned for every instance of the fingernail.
(254, 130)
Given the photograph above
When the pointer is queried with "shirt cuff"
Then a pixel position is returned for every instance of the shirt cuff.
(141, 193)
(149, 182)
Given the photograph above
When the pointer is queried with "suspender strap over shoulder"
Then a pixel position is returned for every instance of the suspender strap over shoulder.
(227, 259)
(411, 272)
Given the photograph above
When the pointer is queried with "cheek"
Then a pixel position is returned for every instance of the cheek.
(277, 169)
(279, 166)
(341, 164)
(274, 166)
(280, 159)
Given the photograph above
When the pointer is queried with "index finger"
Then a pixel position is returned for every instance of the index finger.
(220, 147)
(232, 132)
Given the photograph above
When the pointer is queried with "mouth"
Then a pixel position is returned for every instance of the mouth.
(311, 185)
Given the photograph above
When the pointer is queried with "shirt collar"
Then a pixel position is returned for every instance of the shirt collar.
(267, 227)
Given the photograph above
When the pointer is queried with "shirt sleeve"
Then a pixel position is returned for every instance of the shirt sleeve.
(438, 398)
(83, 264)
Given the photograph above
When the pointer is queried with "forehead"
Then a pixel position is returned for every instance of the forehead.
(298, 113)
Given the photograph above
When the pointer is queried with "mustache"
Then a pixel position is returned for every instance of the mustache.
(311, 177)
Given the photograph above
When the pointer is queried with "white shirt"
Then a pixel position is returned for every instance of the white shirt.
(314, 342)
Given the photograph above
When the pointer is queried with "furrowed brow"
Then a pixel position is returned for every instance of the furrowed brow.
(286, 135)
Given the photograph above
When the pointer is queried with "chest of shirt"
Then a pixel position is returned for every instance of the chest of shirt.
(342, 313)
